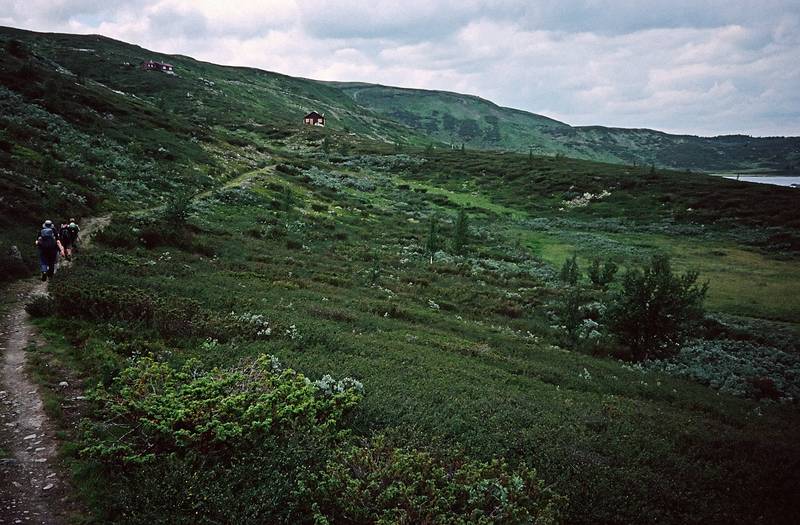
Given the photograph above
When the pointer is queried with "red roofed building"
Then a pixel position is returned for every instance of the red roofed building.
(152, 65)
(314, 119)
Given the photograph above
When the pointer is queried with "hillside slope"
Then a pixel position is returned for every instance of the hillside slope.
(206, 94)
(455, 118)
(83, 126)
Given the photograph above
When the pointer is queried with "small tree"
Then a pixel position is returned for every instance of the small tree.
(375, 268)
(655, 310)
(432, 244)
(601, 276)
(570, 311)
(287, 199)
(460, 233)
(176, 212)
(570, 272)
(326, 145)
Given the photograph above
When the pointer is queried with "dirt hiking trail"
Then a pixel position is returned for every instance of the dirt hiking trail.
(32, 489)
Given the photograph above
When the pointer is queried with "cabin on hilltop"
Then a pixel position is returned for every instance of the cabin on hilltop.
(152, 65)
(314, 119)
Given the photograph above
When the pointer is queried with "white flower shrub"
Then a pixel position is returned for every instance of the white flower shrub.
(293, 333)
(588, 329)
(581, 201)
(328, 385)
(257, 323)
(739, 368)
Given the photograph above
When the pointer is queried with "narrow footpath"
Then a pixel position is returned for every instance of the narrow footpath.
(32, 489)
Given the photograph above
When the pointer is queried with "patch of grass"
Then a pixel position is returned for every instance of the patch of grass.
(741, 281)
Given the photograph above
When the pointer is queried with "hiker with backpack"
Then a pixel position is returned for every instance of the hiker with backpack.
(49, 247)
(69, 237)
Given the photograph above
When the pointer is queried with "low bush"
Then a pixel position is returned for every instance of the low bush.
(739, 368)
(153, 233)
(158, 410)
(40, 305)
(260, 443)
(177, 210)
(375, 482)
(338, 180)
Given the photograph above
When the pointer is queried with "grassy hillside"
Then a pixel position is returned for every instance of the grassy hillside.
(467, 349)
(462, 119)
(315, 246)
(83, 124)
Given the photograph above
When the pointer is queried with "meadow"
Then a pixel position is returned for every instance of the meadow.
(466, 351)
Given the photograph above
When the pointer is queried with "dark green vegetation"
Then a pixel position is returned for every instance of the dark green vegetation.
(339, 255)
(655, 311)
(457, 120)
(270, 446)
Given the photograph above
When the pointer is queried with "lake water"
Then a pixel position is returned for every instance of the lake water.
(777, 180)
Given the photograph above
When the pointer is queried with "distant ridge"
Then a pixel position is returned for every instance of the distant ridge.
(241, 97)
(478, 123)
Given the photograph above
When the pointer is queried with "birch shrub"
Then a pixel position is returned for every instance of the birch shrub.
(655, 310)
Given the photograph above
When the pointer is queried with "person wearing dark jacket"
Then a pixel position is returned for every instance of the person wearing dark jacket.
(49, 247)
(68, 235)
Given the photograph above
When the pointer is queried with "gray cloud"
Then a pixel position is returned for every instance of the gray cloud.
(687, 66)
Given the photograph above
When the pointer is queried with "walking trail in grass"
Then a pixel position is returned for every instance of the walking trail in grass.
(32, 489)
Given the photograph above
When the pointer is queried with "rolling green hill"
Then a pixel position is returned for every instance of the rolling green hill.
(463, 119)
(245, 99)
(204, 94)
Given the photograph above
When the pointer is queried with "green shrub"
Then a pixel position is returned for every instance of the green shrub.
(259, 443)
(655, 310)
(739, 368)
(119, 234)
(570, 312)
(152, 233)
(197, 446)
(375, 482)
(432, 242)
(289, 170)
(158, 410)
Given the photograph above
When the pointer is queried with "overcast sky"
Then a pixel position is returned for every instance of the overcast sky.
(703, 67)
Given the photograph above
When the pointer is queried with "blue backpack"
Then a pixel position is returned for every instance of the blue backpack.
(47, 239)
